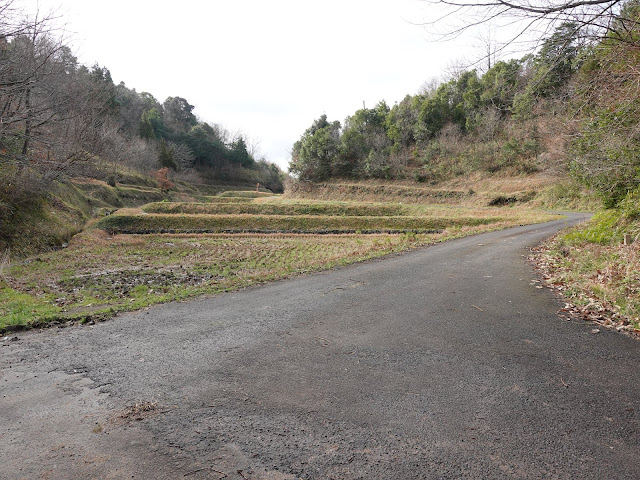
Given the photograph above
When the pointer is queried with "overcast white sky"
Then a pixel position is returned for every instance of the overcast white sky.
(265, 68)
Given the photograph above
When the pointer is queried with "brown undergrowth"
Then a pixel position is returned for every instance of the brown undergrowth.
(599, 283)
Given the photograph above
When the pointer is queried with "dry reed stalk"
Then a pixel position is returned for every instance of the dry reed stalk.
(5, 262)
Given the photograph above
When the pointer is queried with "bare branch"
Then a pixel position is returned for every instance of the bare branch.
(455, 17)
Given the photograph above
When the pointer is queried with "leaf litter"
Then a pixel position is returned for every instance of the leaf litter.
(590, 279)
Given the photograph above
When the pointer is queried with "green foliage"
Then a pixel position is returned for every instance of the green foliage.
(364, 147)
(523, 103)
(500, 84)
(206, 146)
(21, 309)
(607, 148)
(400, 122)
(272, 178)
(314, 153)
(609, 226)
(489, 123)
(239, 153)
(608, 152)
(602, 229)
(178, 114)
(165, 156)
(445, 132)
(453, 102)
(152, 125)
(558, 58)
(549, 71)
(434, 113)
(624, 28)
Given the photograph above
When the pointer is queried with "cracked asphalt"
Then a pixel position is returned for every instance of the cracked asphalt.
(443, 362)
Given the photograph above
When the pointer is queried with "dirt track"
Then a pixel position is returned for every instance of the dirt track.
(446, 362)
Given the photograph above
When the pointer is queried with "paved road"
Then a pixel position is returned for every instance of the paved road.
(445, 362)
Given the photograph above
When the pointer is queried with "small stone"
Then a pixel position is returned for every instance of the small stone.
(595, 330)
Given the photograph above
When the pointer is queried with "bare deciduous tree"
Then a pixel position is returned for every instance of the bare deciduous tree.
(593, 17)
(27, 52)
(50, 107)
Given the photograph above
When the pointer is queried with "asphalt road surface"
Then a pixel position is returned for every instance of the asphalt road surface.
(444, 362)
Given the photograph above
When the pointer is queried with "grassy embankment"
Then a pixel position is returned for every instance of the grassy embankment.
(46, 215)
(595, 271)
(540, 190)
(104, 271)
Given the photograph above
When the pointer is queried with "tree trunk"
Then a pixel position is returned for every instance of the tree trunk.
(27, 122)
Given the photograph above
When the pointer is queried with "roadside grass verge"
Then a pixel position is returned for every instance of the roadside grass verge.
(18, 309)
(99, 275)
(596, 273)
(159, 223)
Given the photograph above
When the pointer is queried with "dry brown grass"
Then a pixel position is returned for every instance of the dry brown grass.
(542, 190)
(475, 189)
(479, 181)
(321, 224)
(88, 181)
(5, 262)
(138, 411)
(496, 184)
(600, 282)
(128, 211)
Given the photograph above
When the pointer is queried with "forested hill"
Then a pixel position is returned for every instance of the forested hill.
(572, 107)
(63, 124)
(180, 141)
(59, 117)
(68, 118)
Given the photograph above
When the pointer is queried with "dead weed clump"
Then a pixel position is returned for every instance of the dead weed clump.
(136, 412)
(92, 237)
(5, 262)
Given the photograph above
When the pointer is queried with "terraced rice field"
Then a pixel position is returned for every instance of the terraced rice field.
(212, 199)
(245, 194)
(280, 208)
(170, 251)
(318, 224)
